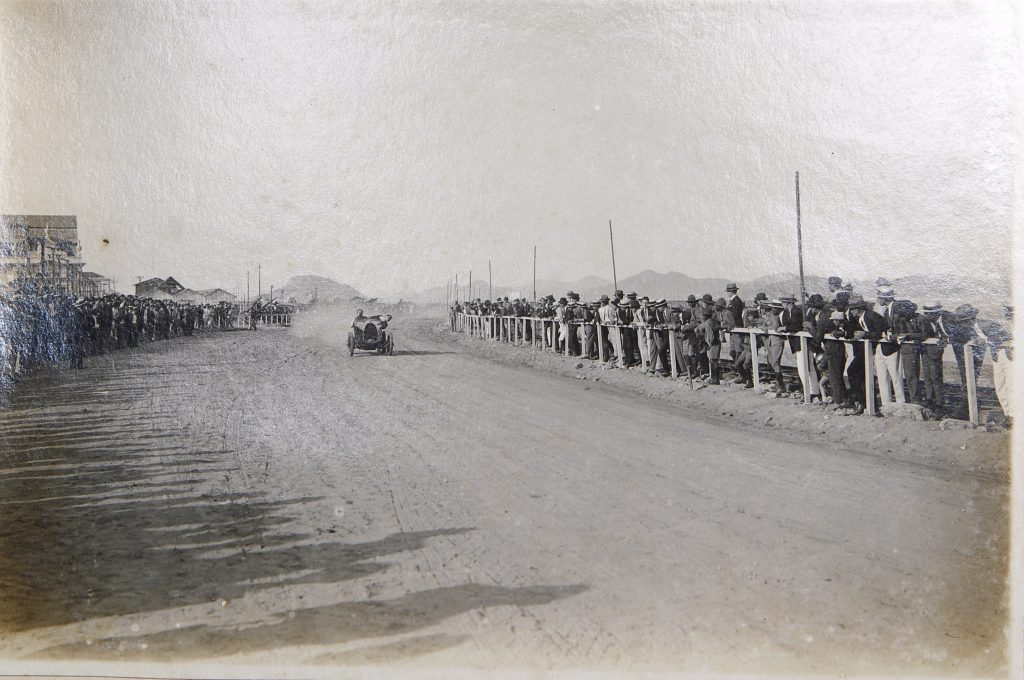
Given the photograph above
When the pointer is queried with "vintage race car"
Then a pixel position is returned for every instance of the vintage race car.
(371, 333)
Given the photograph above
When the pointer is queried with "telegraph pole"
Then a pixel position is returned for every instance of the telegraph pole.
(470, 284)
(490, 291)
(535, 272)
(247, 287)
(800, 243)
(259, 281)
(611, 238)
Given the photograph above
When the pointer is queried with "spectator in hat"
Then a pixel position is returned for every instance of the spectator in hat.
(686, 339)
(855, 367)
(771, 323)
(934, 341)
(658, 321)
(791, 321)
(830, 335)
(878, 327)
(709, 333)
(736, 307)
(906, 328)
(999, 339)
(959, 327)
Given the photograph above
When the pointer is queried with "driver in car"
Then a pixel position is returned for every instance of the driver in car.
(356, 323)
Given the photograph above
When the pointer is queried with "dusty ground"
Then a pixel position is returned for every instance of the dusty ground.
(257, 501)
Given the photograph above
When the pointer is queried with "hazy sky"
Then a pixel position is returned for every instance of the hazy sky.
(393, 144)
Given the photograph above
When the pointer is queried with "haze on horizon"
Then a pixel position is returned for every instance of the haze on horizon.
(392, 146)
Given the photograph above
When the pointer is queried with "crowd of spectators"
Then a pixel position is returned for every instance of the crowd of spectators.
(45, 325)
(908, 341)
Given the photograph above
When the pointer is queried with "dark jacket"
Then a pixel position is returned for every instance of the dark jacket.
(878, 332)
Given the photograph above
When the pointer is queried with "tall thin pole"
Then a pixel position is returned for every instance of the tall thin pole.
(490, 288)
(470, 284)
(246, 286)
(800, 243)
(611, 237)
(259, 281)
(456, 287)
(534, 273)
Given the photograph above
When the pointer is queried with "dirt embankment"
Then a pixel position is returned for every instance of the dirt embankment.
(948, 442)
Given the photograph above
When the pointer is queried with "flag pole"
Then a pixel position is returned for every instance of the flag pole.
(800, 243)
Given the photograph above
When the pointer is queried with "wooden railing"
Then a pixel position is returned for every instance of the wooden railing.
(512, 329)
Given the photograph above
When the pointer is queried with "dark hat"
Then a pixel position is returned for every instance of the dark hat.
(707, 298)
(691, 298)
(815, 300)
(631, 294)
(835, 281)
(857, 302)
(848, 287)
(562, 301)
(760, 296)
(904, 307)
(619, 293)
(932, 309)
(842, 298)
(604, 298)
(732, 288)
(721, 303)
(967, 312)
(549, 297)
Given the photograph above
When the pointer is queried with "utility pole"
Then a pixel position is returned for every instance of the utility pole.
(470, 284)
(611, 238)
(456, 287)
(246, 287)
(490, 289)
(534, 272)
(271, 292)
(800, 243)
(259, 281)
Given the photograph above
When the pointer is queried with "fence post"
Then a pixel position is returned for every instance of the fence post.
(972, 384)
(619, 359)
(805, 367)
(869, 379)
(672, 354)
(755, 363)
(641, 338)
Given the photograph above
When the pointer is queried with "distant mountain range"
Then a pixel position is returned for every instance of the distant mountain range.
(985, 293)
(304, 288)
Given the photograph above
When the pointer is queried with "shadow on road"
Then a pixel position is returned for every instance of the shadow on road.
(332, 624)
(102, 518)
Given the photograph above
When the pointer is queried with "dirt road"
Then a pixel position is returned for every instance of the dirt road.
(262, 498)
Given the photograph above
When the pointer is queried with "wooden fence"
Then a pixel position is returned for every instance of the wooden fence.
(544, 336)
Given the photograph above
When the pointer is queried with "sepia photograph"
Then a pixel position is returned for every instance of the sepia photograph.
(510, 338)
